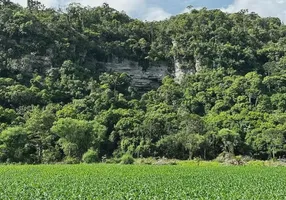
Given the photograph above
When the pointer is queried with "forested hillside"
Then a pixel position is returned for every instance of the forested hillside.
(57, 105)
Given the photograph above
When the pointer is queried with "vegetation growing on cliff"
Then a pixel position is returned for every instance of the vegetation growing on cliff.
(57, 105)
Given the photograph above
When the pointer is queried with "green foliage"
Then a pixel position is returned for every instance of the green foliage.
(57, 100)
(13, 145)
(195, 163)
(145, 161)
(77, 136)
(127, 159)
(141, 182)
(90, 156)
(71, 160)
(229, 139)
(257, 163)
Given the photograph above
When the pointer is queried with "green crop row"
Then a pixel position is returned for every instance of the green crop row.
(141, 182)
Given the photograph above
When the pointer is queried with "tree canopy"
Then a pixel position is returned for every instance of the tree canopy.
(57, 102)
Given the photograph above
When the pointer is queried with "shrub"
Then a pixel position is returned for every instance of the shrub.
(256, 163)
(165, 161)
(225, 157)
(246, 158)
(230, 159)
(192, 163)
(127, 159)
(71, 160)
(90, 156)
(50, 156)
(112, 161)
(145, 161)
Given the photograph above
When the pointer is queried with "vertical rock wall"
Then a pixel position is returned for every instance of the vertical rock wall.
(152, 77)
(180, 72)
(183, 67)
(142, 79)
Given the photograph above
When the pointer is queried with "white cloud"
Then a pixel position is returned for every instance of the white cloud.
(129, 6)
(156, 14)
(265, 8)
(126, 5)
(138, 8)
(187, 10)
(47, 3)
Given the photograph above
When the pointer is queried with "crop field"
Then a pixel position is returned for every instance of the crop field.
(141, 182)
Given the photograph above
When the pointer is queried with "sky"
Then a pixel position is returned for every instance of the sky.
(161, 9)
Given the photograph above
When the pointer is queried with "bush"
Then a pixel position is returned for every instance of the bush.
(230, 159)
(90, 156)
(256, 163)
(145, 161)
(165, 161)
(192, 163)
(225, 157)
(71, 160)
(246, 158)
(127, 159)
(51, 155)
(112, 161)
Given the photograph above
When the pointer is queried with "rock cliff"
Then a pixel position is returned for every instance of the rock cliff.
(150, 78)
(142, 79)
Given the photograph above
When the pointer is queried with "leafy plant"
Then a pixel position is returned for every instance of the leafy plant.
(127, 159)
(90, 156)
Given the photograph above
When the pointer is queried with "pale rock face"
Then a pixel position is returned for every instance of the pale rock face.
(180, 69)
(198, 65)
(180, 72)
(142, 79)
(151, 78)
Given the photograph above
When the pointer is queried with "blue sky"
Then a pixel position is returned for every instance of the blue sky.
(161, 9)
(174, 7)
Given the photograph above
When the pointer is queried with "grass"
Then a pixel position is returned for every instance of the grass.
(103, 181)
(193, 163)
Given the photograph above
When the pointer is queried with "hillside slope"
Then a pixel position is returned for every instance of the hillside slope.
(224, 93)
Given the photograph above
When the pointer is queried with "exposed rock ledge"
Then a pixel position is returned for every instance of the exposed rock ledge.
(151, 78)
(142, 79)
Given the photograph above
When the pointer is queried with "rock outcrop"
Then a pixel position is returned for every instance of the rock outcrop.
(143, 80)
(180, 72)
(151, 77)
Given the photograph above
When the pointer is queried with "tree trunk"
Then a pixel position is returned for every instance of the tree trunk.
(273, 154)
(190, 155)
(205, 153)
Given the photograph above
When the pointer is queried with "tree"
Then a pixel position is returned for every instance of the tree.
(77, 136)
(32, 4)
(5, 2)
(14, 145)
(90, 156)
(38, 127)
(229, 139)
(274, 140)
(192, 143)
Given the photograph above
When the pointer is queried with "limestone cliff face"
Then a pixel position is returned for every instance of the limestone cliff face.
(151, 78)
(180, 72)
(144, 80)
(184, 67)
(180, 69)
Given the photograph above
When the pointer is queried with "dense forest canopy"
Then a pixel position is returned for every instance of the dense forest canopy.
(57, 105)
